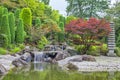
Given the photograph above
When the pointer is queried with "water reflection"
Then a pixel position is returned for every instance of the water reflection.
(45, 71)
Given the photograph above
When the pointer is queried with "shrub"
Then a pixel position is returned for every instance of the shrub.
(20, 32)
(37, 22)
(26, 15)
(80, 48)
(12, 26)
(61, 25)
(15, 50)
(5, 11)
(117, 51)
(42, 42)
(21, 46)
(3, 51)
(94, 50)
(5, 28)
(1, 13)
(3, 40)
(104, 49)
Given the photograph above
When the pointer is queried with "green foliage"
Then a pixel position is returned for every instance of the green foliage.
(12, 26)
(94, 50)
(86, 8)
(37, 22)
(21, 46)
(69, 18)
(61, 25)
(1, 13)
(17, 14)
(104, 49)
(62, 19)
(20, 32)
(5, 28)
(3, 40)
(117, 51)
(15, 50)
(46, 1)
(5, 11)
(61, 37)
(26, 15)
(42, 42)
(55, 15)
(3, 51)
(80, 48)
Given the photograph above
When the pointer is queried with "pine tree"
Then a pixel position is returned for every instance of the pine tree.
(12, 26)
(5, 11)
(20, 32)
(5, 28)
(61, 25)
(3, 40)
(26, 15)
(1, 13)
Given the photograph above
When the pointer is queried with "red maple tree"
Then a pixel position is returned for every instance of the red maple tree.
(88, 30)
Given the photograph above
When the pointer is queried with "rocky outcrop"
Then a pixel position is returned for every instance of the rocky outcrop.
(3, 70)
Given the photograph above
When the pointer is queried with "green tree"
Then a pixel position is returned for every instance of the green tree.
(37, 22)
(46, 1)
(55, 15)
(26, 15)
(20, 32)
(1, 13)
(3, 40)
(12, 26)
(86, 8)
(5, 11)
(5, 28)
(113, 14)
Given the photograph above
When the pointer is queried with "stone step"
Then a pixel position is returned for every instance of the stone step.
(111, 43)
(111, 48)
(111, 38)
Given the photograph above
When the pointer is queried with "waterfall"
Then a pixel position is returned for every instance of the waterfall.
(39, 57)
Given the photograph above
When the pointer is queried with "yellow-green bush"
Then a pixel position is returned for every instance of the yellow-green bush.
(21, 46)
(42, 42)
(117, 51)
(94, 50)
(79, 48)
(3, 51)
(104, 49)
(15, 50)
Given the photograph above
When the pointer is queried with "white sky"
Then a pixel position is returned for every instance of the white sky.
(62, 4)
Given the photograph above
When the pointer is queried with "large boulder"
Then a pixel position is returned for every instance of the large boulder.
(72, 51)
(27, 57)
(3, 70)
(19, 62)
(88, 58)
(71, 66)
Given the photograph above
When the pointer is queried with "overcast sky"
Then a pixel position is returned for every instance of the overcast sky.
(61, 5)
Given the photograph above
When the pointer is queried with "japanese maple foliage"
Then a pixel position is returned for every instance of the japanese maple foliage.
(93, 26)
(88, 30)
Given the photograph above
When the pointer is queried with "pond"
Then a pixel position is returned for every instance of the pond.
(47, 71)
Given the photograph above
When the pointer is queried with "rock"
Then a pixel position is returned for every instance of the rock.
(88, 58)
(19, 62)
(72, 52)
(26, 57)
(77, 59)
(3, 70)
(72, 67)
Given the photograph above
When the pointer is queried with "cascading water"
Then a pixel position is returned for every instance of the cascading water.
(38, 57)
(38, 61)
